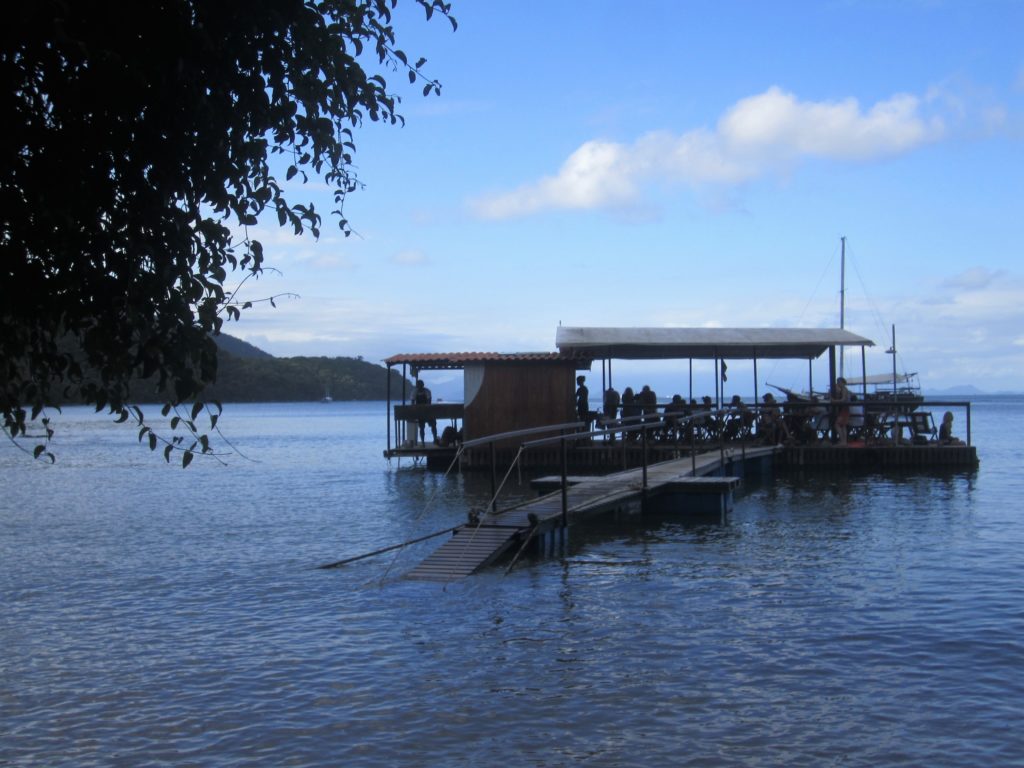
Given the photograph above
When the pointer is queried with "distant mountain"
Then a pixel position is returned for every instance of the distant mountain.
(238, 348)
(959, 389)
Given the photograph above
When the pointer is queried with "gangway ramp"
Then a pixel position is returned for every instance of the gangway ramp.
(469, 549)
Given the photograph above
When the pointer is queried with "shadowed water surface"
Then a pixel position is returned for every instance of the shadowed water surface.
(154, 616)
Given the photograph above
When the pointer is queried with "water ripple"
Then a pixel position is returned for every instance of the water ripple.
(154, 617)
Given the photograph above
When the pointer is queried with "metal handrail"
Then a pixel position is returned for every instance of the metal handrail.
(477, 441)
(644, 423)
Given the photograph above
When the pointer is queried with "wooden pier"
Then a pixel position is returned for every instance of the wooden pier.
(704, 480)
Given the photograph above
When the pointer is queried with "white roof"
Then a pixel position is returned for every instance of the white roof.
(703, 343)
(884, 378)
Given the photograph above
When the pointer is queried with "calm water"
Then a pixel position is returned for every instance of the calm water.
(157, 616)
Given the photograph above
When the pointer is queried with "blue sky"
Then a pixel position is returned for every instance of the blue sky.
(682, 164)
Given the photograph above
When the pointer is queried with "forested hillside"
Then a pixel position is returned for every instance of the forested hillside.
(296, 379)
(247, 374)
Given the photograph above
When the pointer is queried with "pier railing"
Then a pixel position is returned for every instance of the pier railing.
(896, 415)
(641, 425)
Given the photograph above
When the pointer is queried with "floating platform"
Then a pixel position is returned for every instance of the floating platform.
(879, 456)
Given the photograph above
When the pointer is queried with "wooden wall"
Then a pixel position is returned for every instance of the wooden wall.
(519, 395)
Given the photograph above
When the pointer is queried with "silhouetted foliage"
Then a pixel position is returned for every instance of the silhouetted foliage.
(137, 136)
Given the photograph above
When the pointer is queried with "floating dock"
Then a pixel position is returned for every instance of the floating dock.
(879, 456)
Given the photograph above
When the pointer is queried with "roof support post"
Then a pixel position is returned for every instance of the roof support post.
(388, 410)
(718, 385)
(756, 401)
(863, 372)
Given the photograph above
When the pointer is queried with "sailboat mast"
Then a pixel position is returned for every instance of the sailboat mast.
(842, 300)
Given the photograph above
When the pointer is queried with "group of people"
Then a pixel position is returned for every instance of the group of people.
(801, 422)
(630, 403)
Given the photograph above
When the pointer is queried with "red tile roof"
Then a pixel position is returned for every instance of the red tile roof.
(460, 359)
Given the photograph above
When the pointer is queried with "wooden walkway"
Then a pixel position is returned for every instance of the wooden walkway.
(473, 547)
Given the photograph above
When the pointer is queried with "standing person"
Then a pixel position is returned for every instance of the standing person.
(422, 396)
(582, 401)
(648, 404)
(610, 408)
(648, 401)
(841, 399)
(629, 408)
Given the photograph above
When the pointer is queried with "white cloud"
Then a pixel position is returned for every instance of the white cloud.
(776, 122)
(758, 135)
(597, 174)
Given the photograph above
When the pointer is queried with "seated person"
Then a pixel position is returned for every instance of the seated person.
(739, 420)
(630, 407)
(450, 437)
(946, 431)
(773, 427)
(709, 425)
(672, 412)
(648, 401)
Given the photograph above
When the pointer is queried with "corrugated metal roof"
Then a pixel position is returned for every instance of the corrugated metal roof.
(703, 343)
(439, 360)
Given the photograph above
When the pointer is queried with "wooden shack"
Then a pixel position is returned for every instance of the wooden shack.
(502, 392)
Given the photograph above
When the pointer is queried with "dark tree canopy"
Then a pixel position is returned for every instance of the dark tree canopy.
(137, 135)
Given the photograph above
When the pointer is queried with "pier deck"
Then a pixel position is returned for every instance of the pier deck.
(474, 546)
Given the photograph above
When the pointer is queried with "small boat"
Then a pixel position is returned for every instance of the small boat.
(884, 403)
(903, 388)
